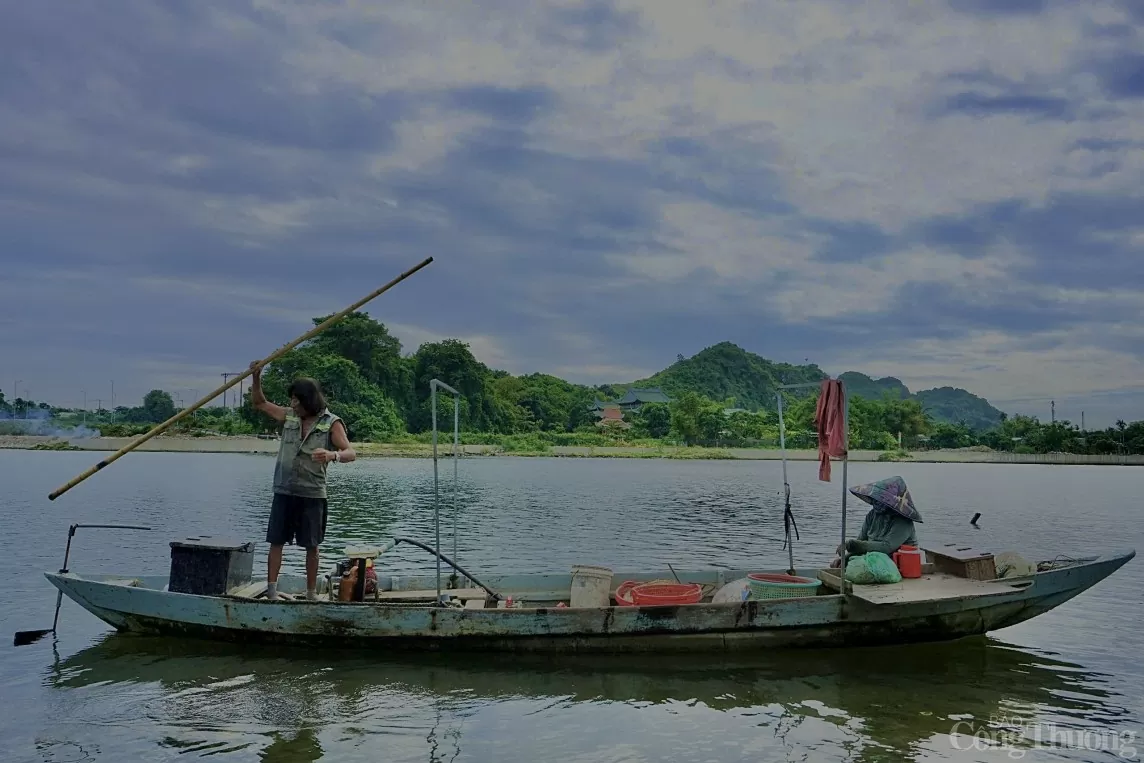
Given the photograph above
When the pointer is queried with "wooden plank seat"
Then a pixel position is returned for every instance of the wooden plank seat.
(362, 552)
(248, 591)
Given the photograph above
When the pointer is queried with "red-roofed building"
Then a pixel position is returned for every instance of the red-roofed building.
(612, 417)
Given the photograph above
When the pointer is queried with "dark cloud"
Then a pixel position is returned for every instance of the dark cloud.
(594, 26)
(963, 312)
(1076, 240)
(1133, 8)
(1121, 76)
(999, 7)
(851, 241)
(1105, 145)
(980, 104)
(984, 93)
(513, 105)
(968, 233)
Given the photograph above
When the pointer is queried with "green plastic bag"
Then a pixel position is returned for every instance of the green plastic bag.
(872, 568)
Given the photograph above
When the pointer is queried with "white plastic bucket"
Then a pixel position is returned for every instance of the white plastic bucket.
(591, 586)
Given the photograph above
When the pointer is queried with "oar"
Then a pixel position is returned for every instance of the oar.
(23, 638)
(269, 359)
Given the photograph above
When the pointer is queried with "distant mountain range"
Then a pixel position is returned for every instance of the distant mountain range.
(726, 371)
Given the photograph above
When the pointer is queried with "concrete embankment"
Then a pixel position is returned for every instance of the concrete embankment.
(420, 450)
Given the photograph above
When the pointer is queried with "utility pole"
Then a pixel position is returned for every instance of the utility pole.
(1082, 422)
(85, 407)
(1053, 404)
(225, 377)
(113, 401)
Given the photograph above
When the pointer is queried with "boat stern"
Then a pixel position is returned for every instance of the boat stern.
(105, 596)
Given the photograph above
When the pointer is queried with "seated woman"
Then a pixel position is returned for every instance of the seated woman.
(889, 525)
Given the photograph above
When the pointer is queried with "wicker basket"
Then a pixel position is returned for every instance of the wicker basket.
(767, 585)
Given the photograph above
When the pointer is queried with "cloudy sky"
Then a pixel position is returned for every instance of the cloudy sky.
(943, 190)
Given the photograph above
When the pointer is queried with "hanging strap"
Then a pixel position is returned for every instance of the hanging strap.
(788, 519)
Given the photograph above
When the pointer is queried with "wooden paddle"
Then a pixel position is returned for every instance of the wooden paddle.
(269, 359)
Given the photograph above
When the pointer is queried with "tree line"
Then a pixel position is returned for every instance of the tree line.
(384, 396)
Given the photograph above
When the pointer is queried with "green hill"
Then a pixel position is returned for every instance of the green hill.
(728, 373)
(953, 405)
(861, 385)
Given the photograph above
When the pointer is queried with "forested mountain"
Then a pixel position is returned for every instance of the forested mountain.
(950, 405)
(383, 391)
(727, 373)
(861, 385)
(954, 406)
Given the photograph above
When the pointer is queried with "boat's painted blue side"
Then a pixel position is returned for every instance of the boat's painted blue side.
(139, 604)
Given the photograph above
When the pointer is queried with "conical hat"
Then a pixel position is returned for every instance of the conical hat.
(890, 493)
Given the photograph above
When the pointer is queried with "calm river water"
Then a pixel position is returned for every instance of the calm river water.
(91, 695)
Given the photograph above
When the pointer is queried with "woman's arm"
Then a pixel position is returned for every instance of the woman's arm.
(895, 535)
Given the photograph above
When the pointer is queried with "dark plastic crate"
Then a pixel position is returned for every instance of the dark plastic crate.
(209, 566)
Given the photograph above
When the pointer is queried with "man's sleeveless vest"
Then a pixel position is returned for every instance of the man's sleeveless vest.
(296, 473)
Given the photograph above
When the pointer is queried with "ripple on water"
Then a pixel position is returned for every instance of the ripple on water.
(110, 697)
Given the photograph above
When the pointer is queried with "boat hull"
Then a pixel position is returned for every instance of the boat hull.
(831, 620)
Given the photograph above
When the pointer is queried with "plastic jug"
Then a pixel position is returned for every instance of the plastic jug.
(909, 561)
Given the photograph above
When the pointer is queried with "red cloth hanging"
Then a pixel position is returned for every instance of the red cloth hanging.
(829, 417)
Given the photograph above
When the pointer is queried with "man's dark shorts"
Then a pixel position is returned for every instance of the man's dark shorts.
(294, 519)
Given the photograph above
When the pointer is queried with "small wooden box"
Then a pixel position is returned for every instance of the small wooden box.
(962, 561)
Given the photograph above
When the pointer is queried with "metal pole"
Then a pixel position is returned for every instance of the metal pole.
(436, 503)
(845, 463)
(456, 448)
(433, 385)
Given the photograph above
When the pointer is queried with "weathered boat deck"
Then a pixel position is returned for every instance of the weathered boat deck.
(931, 586)
(937, 606)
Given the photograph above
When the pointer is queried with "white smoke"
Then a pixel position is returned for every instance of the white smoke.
(49, 428)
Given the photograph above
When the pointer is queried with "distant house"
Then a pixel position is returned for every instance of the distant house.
(614, 417)
(599, 407)
(631, 402)
(635, 399)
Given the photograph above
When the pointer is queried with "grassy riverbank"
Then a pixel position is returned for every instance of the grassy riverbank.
(175, 444)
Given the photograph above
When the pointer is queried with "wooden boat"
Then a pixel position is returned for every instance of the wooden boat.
(958, 594)
(406, 613)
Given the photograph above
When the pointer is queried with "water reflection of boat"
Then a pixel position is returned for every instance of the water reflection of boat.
(888, 700)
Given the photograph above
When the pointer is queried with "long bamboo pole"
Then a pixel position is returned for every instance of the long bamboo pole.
(211, 396)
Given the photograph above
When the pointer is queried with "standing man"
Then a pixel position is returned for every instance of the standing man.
(312, 437)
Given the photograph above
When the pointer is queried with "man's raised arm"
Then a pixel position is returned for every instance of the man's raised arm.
(258, 400)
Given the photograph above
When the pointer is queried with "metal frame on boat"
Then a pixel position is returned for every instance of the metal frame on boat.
(539, 612)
